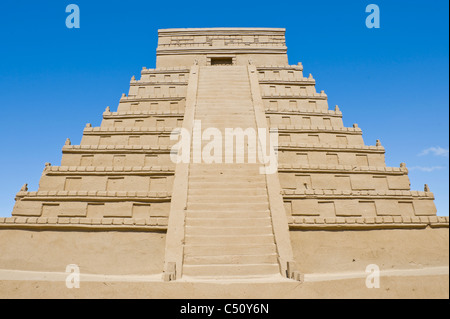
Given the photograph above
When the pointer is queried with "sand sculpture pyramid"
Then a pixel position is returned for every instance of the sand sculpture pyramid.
(223, 219)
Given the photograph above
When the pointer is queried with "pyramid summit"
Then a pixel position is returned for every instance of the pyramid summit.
(216, 216)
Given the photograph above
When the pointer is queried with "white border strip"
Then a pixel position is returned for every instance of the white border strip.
(428, 271)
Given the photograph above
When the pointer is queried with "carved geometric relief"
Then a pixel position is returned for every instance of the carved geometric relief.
(367, 208)
(305, 207)
(387, 207)
(347, 207)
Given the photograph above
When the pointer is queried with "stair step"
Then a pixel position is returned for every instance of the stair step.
(228, 239)
(222, 93)
(207, 122)
(211, 89)
(231, 259)
(227, 191)
(214, 108)
(224, 76)
(223, 124)
(243, 157)
(217, 102)
(206, 79)
(226, 169)
(227, 214)
(214, 116)
(232, 167)
(228, 106)
(204, 115)
(218, 185)
(225, 178)
(229, 222)
(229, 95)
(227, 206)
(217, 173)
(239, 230)
(230, 269)
(224, 96)
(220, 250)
(228, 199)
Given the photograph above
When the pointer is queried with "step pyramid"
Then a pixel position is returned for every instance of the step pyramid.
(223, 220)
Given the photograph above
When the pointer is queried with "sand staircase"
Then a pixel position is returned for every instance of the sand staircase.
(228, 230)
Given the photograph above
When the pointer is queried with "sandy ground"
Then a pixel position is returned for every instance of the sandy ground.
(413, 264)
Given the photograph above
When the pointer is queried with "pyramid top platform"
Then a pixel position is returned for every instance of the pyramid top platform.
(221, 29)
(237, 46)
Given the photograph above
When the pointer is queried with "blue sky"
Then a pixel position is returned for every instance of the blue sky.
(392, 81)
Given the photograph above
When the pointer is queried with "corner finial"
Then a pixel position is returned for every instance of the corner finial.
(24, 188)
(133, 78)
(48, 164)
(88, 125)
(402, 165)
(68, 142)
(378, 143)
(426, 188)
(336, 108)
(108, 109)
(310, 76)
(355, 125)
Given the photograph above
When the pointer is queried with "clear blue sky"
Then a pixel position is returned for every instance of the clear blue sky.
(392, 81)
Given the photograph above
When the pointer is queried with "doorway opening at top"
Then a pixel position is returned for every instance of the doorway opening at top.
(222, 61)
